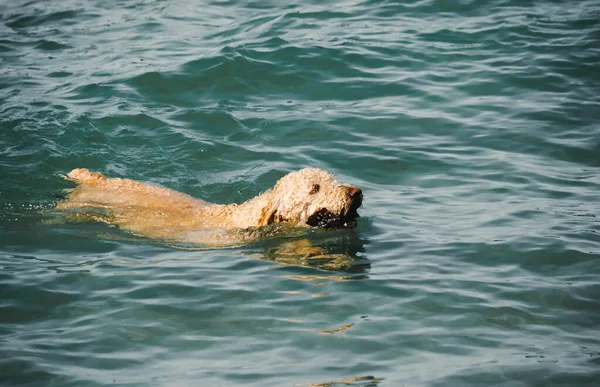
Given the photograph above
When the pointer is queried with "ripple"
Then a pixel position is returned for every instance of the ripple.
(471, 129)
(48, 45)
(42, 17)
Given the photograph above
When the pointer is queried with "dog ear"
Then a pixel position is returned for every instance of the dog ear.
(270, 216)
(267, 216)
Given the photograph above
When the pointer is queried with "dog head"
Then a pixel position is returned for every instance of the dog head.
(312, 197)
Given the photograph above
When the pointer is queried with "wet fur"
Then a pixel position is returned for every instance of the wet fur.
(308, 197)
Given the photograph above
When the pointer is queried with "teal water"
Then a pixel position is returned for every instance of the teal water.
(472, 127)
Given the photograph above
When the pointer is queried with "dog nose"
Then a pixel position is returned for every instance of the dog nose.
(354, 192)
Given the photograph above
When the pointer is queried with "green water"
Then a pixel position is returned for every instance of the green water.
(472, 127)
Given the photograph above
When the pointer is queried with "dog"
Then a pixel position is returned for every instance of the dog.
(309, 197)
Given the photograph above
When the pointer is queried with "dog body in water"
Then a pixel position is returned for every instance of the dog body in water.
(309, 197)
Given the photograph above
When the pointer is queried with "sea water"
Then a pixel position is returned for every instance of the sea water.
(472, 127)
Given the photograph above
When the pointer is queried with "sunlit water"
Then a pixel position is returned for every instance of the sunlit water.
(473, 129)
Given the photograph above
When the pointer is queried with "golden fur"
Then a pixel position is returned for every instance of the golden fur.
(308, 197)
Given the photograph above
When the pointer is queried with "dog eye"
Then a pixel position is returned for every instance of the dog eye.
(315, 189)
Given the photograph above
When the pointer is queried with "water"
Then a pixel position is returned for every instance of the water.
(472, 127)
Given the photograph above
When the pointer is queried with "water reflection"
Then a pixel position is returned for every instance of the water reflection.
(338, 251)
(335, 330)
(366, 381)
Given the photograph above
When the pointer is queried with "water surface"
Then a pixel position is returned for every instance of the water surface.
(473, 129)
